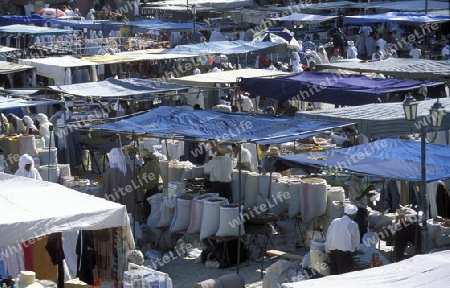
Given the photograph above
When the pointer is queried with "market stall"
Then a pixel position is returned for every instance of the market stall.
(63, 70)
(31, 216)
(177, 125)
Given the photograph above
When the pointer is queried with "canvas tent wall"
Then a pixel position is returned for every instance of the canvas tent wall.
(9, 68)
(60, 68)
(33, 208)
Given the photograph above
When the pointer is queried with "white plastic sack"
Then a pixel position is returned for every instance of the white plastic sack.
(251, 189)
(182, 216)
(295, 201)
(211, 215)
(167, 212)
(314, 198)
(276, 200)
(230, 221)
(156, 202)
(197, 212)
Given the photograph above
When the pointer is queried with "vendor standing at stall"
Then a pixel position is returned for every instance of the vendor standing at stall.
(220, 168)
(342, 241)
(358, 196)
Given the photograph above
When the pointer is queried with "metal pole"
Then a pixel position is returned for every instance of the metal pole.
(426, 7)
(423, 194)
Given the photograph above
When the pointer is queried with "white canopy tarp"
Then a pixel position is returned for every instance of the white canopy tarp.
(56, 68)
(304, 18)
(429, 270)
(9, 67)
(210, 79)
(32, 208)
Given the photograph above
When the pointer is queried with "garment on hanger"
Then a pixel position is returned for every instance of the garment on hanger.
(54, 248)
(86, 256)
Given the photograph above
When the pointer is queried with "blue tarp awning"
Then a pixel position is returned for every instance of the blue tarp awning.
(112, 87)
(387, 158)
(34, 19)
(340, 89)
(404, 17)
(10, 103)
(33, 30)
(224, 47)
(220, 126)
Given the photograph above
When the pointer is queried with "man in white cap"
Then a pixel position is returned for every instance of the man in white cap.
(342, 241)
(26, 168)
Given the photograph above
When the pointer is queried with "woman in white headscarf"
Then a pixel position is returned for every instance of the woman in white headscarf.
(26, 168)
(44, 128)
(119, 185)
(28, 122)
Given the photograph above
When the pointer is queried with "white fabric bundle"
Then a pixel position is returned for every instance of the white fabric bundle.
(164, 171)
(295, 199)
(167, 211)
(314, 198)
(210, 217)
(277, 202)
(251, 189)
(230, 220)
(48, 156)
(64, 169)
(334, 194)
(182, 216)
(27, 145)
(49, 173)
(235, 184)
(156, 201)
